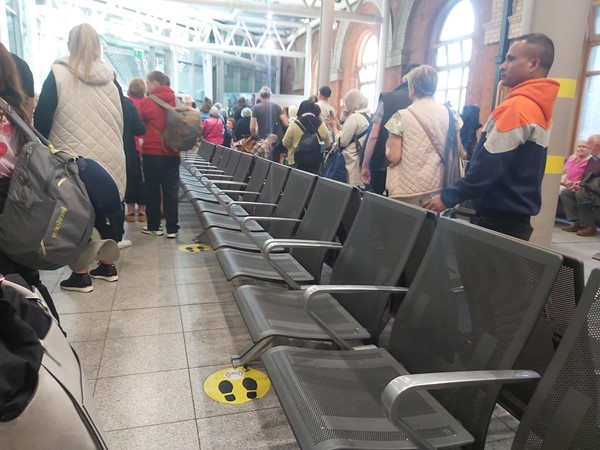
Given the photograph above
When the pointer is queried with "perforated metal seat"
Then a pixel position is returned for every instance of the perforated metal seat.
(322, 218)
(374, 253)
(471, 307)
(564, 412)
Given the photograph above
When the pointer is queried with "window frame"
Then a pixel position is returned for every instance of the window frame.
(437, 43)
(360, 65)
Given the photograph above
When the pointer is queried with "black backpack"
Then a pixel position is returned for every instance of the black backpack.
(309, 151)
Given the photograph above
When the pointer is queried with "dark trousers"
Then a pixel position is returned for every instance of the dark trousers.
(511, 225)
(111, 226)
(378, 178)
(134, 190)
(162, 172)
(578, 206)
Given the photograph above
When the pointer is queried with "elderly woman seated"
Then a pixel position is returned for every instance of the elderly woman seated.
(575, 165)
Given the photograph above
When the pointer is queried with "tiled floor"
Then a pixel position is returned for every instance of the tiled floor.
(148, 342)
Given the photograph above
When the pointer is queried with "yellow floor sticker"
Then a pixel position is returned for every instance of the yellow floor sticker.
(236, 386)
(195, 248)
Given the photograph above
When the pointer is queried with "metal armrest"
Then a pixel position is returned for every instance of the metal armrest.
(219, 195)
(247, 219)
(312, 291)
(399, 387)
(211, 183)
(217, 176)
(271, 244)
(242, 203)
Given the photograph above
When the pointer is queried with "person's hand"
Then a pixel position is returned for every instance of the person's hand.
(435, 204)
(365, 175)
(576, 186)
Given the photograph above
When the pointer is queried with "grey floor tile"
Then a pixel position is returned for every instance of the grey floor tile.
(498, 430)
(264, 429)
(85, 326)
(195, 275)
(171, 436)
(144, 399)
(147, 280)
(143, 354)
(198, 260)
(90, 354)
(207, 407)
(100, 299)
(504, 444)
(131, 297)
(210, 316)
(213, 292)
(506, 417)
(144, 322)
(211, 347)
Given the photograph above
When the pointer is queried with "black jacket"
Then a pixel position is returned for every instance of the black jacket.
(132, 126)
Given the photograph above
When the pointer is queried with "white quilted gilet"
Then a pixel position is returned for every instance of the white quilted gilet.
(92, 128)
(420, 171)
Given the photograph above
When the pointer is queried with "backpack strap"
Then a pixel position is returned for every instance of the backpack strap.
(160, 102)
(31, 132)
(366, 130)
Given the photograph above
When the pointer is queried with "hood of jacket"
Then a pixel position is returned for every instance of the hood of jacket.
(100, 73)
(165, 93)
(541, 91)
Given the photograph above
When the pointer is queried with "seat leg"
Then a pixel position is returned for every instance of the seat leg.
(250, 352)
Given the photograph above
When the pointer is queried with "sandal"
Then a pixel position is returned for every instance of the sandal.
(141, 217)
(130, 217)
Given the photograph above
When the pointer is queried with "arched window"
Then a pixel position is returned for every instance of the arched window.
(590, 104)
(453, 53)
(367, 69)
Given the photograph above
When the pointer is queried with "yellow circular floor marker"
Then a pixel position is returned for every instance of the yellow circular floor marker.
(195, 248)
(236, 386)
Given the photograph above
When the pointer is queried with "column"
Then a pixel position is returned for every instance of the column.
(325, 42)
(4, 25)
(220, 88)
(308, 62)
(566, 26)
(207, 68)
(174, 75)
(384, 32)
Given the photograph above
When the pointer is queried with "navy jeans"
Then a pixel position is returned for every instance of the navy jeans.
(162, 172)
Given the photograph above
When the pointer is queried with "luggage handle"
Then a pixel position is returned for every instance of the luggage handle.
(31, 132)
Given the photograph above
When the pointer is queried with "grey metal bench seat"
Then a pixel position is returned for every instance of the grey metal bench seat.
(375, 252)
(292, 204)
(320, 222)
(461, 327)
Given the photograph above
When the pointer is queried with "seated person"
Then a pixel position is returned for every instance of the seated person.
(575, 165)
(579, 199)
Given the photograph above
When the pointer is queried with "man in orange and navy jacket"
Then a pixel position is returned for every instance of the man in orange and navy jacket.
(505, 177)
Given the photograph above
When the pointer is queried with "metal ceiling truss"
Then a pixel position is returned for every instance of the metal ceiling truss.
(236, 30)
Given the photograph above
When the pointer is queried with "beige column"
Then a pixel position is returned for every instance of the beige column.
(565, 23)
(325, 42)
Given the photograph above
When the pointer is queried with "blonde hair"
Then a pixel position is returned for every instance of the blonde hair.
(84, 48)
(137, 88)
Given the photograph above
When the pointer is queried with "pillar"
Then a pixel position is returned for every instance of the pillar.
(308, 62)
(384, 32)
(325, 42)
(566, 25)
(207, 68)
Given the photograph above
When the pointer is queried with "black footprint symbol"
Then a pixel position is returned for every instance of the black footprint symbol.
(250, 385)
(226, 389)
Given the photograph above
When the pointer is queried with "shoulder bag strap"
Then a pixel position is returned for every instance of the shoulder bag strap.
(160, 102)
(429, 135)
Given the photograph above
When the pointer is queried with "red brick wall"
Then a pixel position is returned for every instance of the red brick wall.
(424, 23)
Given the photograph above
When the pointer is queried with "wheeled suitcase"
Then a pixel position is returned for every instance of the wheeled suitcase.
(59, 411)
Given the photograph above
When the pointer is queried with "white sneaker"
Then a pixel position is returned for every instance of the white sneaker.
(124, 244)
(171, 235)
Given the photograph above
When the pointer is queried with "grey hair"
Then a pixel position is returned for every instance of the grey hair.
(246, 112)
(214, 112)
(265, 92)
(423, 80)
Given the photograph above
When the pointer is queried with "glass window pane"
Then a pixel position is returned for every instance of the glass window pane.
(467, 47)
(454, 53)
(463, 99)
(460, 21)
(590, 110)
(371, 51)
(455, 78)
(441, 59)
(465, 79)
(453, 97)
(594, 63)
(440, 97)
(597, 20)
(442, 80)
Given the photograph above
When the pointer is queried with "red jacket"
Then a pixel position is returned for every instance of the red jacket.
(155, 118)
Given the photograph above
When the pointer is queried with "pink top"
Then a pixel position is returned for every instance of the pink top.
(213, 130)
(8, 158)
(575, 168)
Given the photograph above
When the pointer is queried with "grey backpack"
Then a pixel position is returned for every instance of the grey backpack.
(183, 126)
(47, 218)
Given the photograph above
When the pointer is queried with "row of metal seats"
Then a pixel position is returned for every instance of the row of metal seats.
(479, 304)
